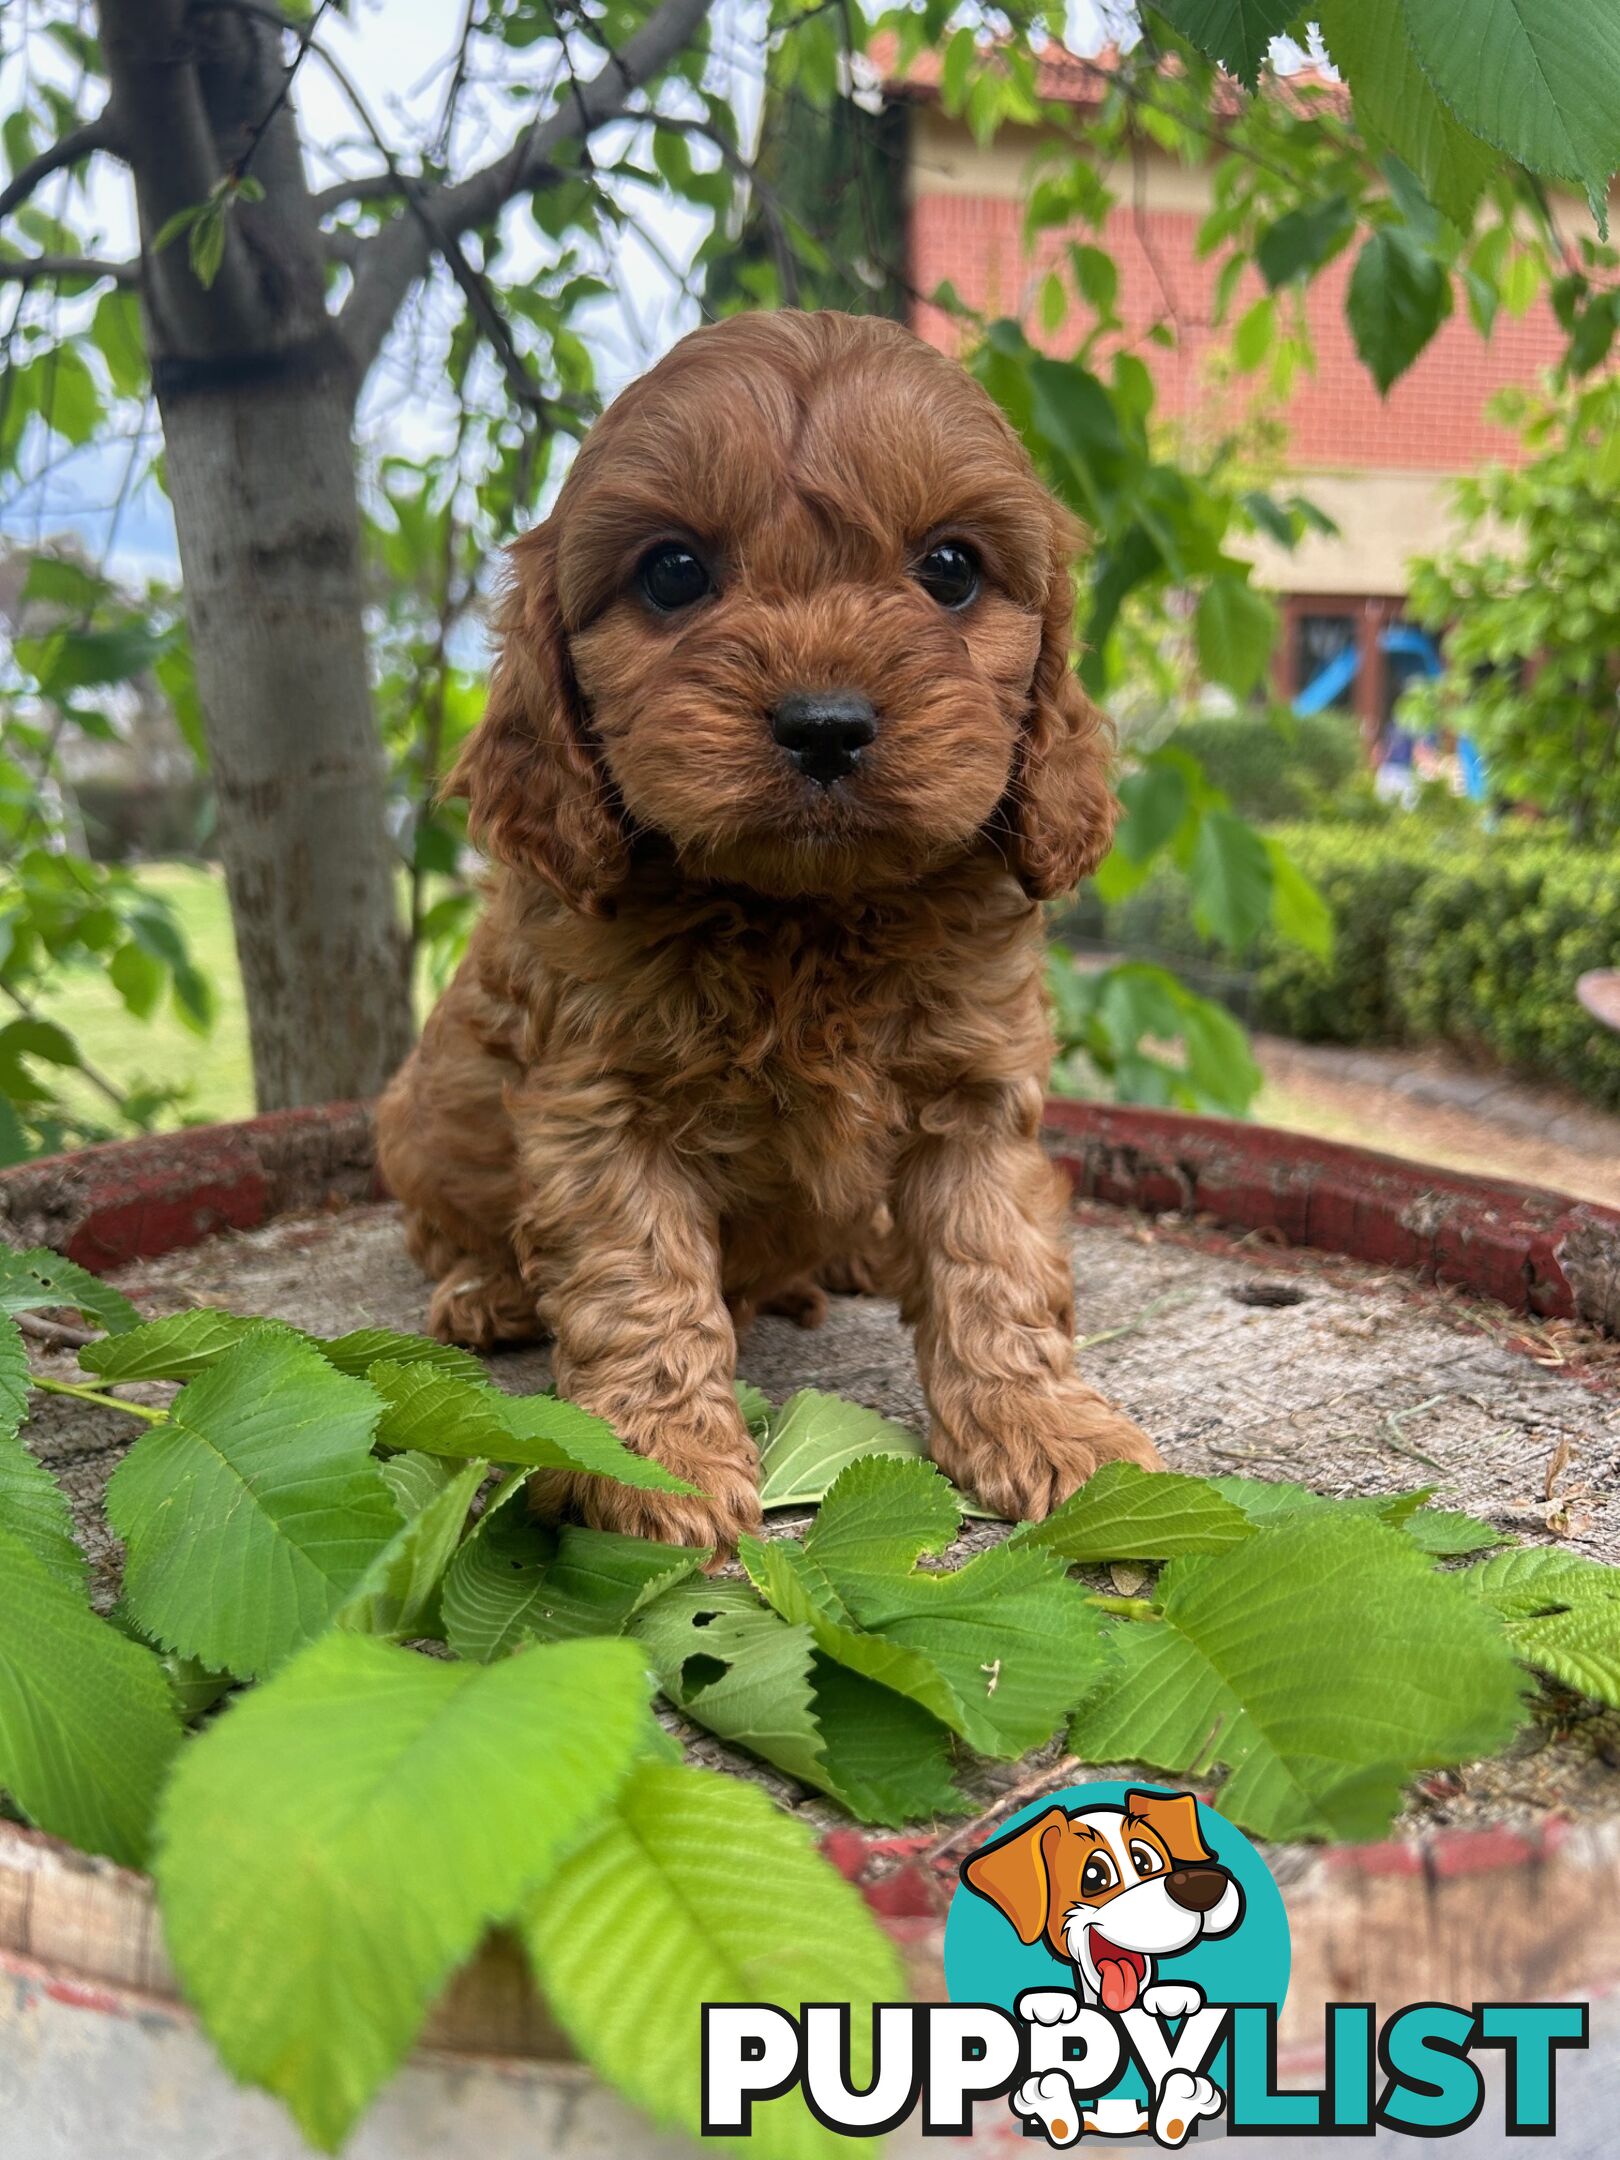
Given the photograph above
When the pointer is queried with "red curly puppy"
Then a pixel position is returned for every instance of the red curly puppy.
(783, 751)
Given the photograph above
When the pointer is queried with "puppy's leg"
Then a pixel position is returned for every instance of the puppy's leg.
(987, 1286)
(621, 1245)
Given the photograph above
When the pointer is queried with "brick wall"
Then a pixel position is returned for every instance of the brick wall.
(1432, 421)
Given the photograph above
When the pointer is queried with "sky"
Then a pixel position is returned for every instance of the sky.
(397, 53)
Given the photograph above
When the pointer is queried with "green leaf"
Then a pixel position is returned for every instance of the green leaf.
(1299, 914)
(35, 1512)
(115, 331)
(1231, 876)
(1323, 1660)
(746, 1675)
(254, 1510)
(1439, 1531)
(516, 1581)
(1396, 105)
(1254, 334)
(1236, 628)
(678, 1865)
(814, 1436)
(15, 1379)
(997, 1649)
(1237, 33)
(1562, 1614)
(1125, 1513)
(359, 1350)
(1399, 296)
(439, 1414)
(30, 1280)
(1155, 802)
(87, 1727)
(398, 1593)
(334, 1847)
(1301, 241)
(177, 1346)
(1539, 78)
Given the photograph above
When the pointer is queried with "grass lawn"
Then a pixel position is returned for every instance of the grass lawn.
(215, 1068)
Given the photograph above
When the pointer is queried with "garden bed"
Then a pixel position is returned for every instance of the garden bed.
(1366, 1369)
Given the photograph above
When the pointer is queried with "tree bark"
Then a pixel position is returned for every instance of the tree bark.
(262, 477)
(256, 393)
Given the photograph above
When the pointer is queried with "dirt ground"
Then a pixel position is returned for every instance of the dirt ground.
(1235, 1356)
(1433, 1108)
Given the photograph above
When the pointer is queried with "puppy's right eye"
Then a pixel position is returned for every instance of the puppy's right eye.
(672, 577)
(1096, 1877)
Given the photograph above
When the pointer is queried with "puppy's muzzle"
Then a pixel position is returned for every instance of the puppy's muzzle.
(824, 731)
(1196, 1889)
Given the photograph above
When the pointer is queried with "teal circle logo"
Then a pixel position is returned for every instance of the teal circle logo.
(1128, 1897)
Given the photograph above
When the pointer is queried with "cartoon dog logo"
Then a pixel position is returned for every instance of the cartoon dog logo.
(1111, 1890)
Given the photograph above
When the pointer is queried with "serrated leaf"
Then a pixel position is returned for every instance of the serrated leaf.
(1562, 1614)
(1398, 298)
(1237, 33)
(515, 1581)
(1397, 106)
(398, 1595)
(177, 1347)
(1539, 78)
(756, 1407)
(254, 1510)
(678, 1865)
(813, 1436)
(362, 1348)
(34, 1510)
(30, 1280)
(996, 1650)
(1231, 878)
(1323, 1660)
(1126, 1513)
(87, 1727)
(1438, 1531)
(741, 1671)
(438, 1414)
(333, 1848)
(14, 1378)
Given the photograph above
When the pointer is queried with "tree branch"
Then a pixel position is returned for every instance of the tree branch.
(78, 143)
(31, 269)
(390, 261)
(359, 188)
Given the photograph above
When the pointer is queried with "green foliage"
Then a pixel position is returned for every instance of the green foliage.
(1251, 1662)
(678, 1864)
(1530, 604)
(1476, 941)
(1273, 766)
(336, 1845)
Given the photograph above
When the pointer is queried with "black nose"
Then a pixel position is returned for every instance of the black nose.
(824, 731)
(1196, 1889)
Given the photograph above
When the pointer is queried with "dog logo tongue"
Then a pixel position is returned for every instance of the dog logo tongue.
(1119, 1972)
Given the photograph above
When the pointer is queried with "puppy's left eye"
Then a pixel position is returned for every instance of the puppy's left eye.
(672, 577)
(949, 573)
(1145, 1860)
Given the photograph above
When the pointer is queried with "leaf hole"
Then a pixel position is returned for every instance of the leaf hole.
(701, 1672)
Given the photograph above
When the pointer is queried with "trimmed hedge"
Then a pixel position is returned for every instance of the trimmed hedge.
(1442, 935)
(1277, 766)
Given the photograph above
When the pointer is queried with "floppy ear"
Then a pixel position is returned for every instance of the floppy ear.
(1061, 809)
(538, 799)
(1175, 1817)
(1012, 1874)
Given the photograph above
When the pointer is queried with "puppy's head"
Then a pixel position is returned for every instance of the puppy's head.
(1110, 1889)
(802, 617)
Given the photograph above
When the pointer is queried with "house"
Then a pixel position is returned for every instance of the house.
(1381, 468)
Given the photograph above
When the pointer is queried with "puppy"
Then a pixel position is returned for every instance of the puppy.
(1110, 1891)
(782, 752)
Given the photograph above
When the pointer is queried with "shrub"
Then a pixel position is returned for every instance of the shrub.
(1465, 938)
(1275, 766)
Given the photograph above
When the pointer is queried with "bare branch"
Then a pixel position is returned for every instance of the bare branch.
(360, 188)
(78, 144)
(391, 261)
(33, 269)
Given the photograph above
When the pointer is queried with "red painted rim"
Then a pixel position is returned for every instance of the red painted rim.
(1531, 1250)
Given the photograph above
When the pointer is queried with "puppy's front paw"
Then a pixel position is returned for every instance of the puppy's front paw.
(725, 1505)
(1048, 2006)
(1050, 2100)
(1044, 1448)
(479, 1304)
(1182, 2100)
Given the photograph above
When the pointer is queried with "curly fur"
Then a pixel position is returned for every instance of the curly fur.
(723, 1036)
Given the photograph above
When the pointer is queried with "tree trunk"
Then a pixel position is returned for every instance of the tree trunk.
(256, 390)
(261, 472)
